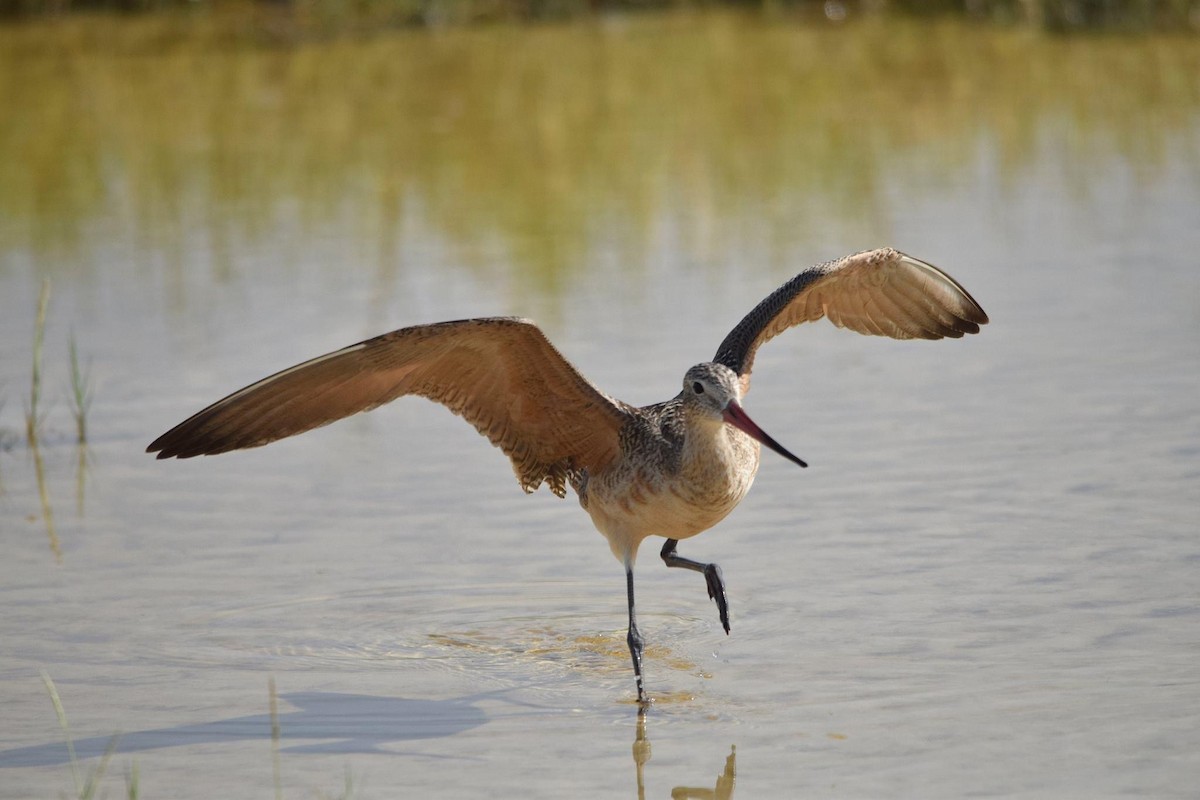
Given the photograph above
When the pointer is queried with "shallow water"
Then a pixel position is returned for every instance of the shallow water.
(985, 583)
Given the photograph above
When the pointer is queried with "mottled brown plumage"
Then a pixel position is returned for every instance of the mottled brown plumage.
(672, 469)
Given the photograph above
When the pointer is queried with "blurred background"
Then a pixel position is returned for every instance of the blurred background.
(986, 583)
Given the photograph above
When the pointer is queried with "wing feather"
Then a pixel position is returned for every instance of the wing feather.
(933, 321)
(878, 292)
(899, 305)
(500, 374)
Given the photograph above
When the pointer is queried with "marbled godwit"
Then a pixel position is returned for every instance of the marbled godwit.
(672, 469)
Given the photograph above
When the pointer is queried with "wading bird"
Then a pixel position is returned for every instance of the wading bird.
(671, 469)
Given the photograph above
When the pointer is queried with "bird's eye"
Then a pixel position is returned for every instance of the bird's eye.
(698, 387)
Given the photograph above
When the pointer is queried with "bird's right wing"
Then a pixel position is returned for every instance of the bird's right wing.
(878, 292)
(500, 374)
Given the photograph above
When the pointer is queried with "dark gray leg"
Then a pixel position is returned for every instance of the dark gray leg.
(712, 576)
(634, 638)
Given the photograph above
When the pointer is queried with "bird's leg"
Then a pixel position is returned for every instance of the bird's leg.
(712, 576)
(634, 638)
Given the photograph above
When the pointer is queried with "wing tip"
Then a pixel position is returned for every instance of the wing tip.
(188, 444)
(164, 450)
(971, 315)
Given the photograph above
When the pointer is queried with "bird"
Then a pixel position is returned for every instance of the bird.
(671, 469)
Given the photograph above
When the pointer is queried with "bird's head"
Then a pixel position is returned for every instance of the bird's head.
(715, 391)
(709, 388)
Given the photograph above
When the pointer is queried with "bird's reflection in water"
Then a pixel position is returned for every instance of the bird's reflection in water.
(723, 790)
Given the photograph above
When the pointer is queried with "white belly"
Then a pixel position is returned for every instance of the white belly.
(628, 504)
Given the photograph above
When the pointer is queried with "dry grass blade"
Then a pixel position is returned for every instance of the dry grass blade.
(81, 393)
(85, 787)
(131, 781)
(32, 415)
(39, 470)
(96, 775)
(66, 728)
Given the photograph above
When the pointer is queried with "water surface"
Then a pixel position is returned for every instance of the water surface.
(984, 584)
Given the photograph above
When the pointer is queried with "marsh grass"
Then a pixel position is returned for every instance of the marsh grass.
(81, 465)
(33, 413)
(81, 401)
(540, 141)
(81, 393)
(132, 779)
(39, 471)
(87, 783)
(34, 417)
(81, 384)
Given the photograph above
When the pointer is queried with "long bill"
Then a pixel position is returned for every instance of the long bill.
(738, 418)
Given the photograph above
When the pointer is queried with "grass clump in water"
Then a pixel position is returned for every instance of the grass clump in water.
(86, 785)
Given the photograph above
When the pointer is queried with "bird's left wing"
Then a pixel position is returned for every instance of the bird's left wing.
(877, 292)
(500, 374)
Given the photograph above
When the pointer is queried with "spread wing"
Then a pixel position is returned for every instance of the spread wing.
(500, 374)
(877, 292)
